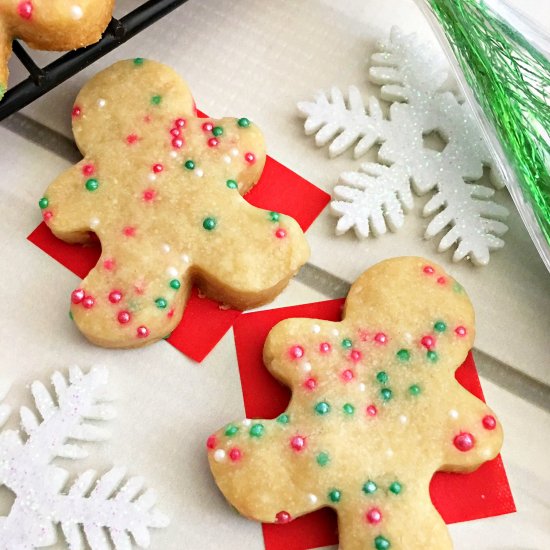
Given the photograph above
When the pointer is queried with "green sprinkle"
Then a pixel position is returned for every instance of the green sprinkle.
(386, 394)
(217, 131)
(370, 487)
(138, 61)
(382, 377)
(43, 203)
(175, 284)
(257, 430)
(414, 390)
(231, 430)
(2, 91)
(457, 287)
(440, 326)
(335, 495)
(396, 487)
(322, 459)
(403, 354)
(156, 99)
(322, 408)
(348, 408)
(167, 336)
(232, 184)
(346, 343)
(283, 419)
(243, 122)
(189, 164)
(70, 315)
(381, 543)
(209, 223)
(92, 184)
(432, 356)
(161, 303)
(274, 216)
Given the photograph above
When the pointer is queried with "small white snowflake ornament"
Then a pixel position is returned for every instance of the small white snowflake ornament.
(378, 196)
(106, 513)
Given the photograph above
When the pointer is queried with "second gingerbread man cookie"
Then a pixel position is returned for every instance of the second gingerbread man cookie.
(162, 190)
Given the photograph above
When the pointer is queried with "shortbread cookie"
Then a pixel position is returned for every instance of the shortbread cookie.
(375, 412)
(162, 190)
(50, 25)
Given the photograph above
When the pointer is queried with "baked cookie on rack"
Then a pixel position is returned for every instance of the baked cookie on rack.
(375, 412)
(50, 25)
(162, 190)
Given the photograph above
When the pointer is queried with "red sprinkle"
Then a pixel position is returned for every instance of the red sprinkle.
(298, 443)
(149, 195)
(461, 331)
(88, 302)
(176, 132)
(77, 296)
(170, 314)
(177, 143)
(373, 516)
(250, 158)
(115, 296)
(142, 332)
(88, 169)
(324, 347)
(347, 375)
(380, 338)
(310, 384)
(355, 355)
(428, 342)
(296, 352)
(372, 410)
(129, 231)
(47, 215)
(489, 422)
(124, 317)
(207, 126)
(157, 168)
(24, 9)
(131, 139)
(428, 270)
(235, 454)
(211, 442)
(77, 111)
(179, 122)
(441, 280)
(464, 442)
(109, 264)
(283, 517)
(280, 233)
(213, 142)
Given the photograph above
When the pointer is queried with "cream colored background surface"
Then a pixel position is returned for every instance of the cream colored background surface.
(258, 58)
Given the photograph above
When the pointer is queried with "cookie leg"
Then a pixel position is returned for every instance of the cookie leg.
(5, 52)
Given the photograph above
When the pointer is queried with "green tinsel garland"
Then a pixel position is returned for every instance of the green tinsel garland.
(511, 80)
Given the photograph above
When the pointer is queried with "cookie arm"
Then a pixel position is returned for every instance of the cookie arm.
(68, 204)
(5, 52)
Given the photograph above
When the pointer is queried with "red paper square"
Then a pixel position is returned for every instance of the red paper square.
(204, 323)
(458, 497)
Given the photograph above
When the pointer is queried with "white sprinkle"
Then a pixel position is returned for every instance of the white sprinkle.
(247, 422)
(76, 12)
(101, 103)
(306, 366)
(185, 258)
(166, 248)
(335, 332)
(403, 419)
(453, 413)
(312, 498)
(94, 222)
(152, 177)
(227, 159)
(174, 154)
(172, 271)
(362, 387)
(389, 453)
(219, 455)
(316, 329)
(408, 337)
(487, 453)
(234, 152)
(199, 173)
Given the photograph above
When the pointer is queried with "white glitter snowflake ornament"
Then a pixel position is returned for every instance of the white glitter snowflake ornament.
(378, 195)
(106, 513)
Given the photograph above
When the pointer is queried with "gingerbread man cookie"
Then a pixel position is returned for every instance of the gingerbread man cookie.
(375, 412)
(50, 25)
(162, 190)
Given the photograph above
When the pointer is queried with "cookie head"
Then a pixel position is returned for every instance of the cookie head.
(162, 190)
(375, 412)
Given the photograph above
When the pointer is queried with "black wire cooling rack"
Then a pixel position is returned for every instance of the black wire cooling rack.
(42, 80)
